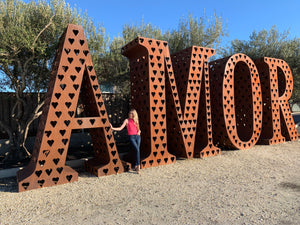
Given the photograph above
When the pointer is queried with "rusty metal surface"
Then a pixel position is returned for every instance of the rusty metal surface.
(237, 102)
(170, 101)
(188, 103)
(148, 98)
(277, 82)
(182, 100)
(72, 79)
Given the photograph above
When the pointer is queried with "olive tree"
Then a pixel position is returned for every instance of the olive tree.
(191, 30)
(275, 44)
(29, 35)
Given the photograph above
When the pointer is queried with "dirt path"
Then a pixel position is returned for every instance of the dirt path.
(256, 186)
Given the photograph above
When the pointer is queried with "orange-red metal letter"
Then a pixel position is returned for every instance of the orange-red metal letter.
(72, 74)
(277, 86)
(171, 100)
(237, 101)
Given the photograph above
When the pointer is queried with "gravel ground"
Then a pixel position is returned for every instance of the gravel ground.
(256, 186)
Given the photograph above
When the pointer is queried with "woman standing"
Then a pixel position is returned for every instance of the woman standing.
(133, 129)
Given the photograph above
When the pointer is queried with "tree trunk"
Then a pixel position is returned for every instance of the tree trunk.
(17, 151)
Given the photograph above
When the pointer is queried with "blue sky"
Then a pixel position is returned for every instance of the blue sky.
(241, 17)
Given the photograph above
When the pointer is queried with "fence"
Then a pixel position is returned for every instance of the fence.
(117, 107)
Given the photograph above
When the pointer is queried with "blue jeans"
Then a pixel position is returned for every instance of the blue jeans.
(135, 141)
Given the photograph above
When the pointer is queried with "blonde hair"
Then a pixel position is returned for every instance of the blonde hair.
(135, 118)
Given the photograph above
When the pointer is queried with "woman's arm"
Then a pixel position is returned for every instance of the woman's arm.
(121, 127)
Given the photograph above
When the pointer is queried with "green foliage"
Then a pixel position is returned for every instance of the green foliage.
(114, 68)
(130, 32)
(273, 44)
(196, 31)
(24, 50)
(29, 34)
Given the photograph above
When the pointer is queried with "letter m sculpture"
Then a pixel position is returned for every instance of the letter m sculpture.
(166, 93)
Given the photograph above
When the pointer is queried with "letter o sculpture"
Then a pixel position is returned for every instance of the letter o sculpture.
(237, 101)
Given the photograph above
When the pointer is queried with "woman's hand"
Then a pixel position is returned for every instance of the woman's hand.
(121, 127)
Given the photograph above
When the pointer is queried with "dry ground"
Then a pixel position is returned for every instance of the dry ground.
(256, 186)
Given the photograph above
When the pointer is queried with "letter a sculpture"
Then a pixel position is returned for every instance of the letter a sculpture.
(72, 74)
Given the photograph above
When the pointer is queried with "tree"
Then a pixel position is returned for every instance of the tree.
(29, 34)
(196, 31)
(114, 68)
(273, 44)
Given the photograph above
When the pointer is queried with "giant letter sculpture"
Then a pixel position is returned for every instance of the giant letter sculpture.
(72, 72)
(148, 98)
(183, 102)
(277, 86)
(188, 103)
(237, 101)
(152, 78)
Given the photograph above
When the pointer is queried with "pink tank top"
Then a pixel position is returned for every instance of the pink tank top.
(131, 127)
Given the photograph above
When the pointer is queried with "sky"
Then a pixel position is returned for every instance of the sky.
(240, 17)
